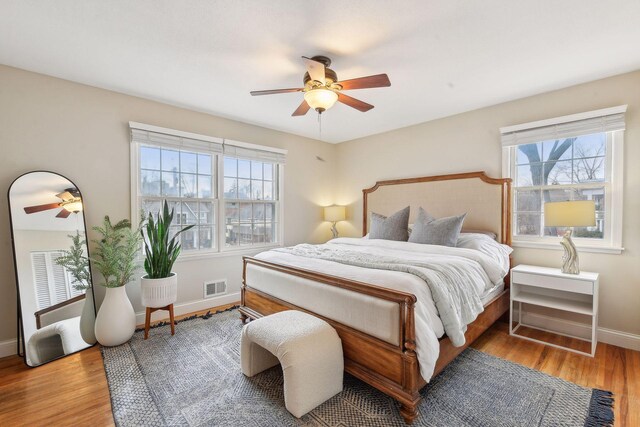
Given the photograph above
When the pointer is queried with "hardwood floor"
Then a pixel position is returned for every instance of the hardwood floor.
(73, 391)
(613, 368)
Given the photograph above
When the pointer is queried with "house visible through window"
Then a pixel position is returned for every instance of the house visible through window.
(229, 190)
(573, 160)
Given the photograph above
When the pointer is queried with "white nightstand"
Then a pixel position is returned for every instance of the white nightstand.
(548, 287)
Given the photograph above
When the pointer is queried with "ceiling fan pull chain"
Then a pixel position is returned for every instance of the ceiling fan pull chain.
(320, 126)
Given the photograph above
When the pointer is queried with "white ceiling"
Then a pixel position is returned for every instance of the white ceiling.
(443, 57)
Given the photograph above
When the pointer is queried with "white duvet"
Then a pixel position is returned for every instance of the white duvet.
(478, 269)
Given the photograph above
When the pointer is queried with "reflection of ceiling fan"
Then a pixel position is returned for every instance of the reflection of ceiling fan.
(322, 88)
(71, 202)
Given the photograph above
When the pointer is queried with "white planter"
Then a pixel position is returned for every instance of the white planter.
(88, 319)
(116, 320)
(156, 293)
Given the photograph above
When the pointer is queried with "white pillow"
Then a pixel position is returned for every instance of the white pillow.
(486, 245)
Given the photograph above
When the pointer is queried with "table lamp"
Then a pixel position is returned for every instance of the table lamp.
(579, 213)
(334, 214)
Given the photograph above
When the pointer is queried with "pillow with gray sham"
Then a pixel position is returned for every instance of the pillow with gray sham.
(394, 227)
(431, 231)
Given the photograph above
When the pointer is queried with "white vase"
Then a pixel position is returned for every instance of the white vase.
(116, 320)
(156, 293)
(88, 319)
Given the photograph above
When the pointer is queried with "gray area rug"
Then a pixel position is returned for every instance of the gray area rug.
(194, 379)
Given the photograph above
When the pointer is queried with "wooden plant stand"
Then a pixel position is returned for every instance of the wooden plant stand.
(147, 321)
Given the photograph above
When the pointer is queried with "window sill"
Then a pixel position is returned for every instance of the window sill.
(224, 253)
(558, 247)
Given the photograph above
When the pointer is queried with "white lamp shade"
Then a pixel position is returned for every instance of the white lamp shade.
(334, 213)
(321, 98)
(579, 213)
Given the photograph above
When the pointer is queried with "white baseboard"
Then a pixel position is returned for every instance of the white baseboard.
(8, 348)
(190, 307)
(568, 327)
(621, 339)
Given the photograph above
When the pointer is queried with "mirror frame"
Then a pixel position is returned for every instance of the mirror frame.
(20, 339)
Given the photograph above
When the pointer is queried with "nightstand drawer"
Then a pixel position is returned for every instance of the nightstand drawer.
(550, 282)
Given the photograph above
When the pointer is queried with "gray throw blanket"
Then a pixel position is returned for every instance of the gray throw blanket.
(456, 299)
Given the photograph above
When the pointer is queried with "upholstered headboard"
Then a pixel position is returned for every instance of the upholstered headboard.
(485, 200)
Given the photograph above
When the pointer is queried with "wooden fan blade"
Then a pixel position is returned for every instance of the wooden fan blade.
(65, 195)
(273, 91)
(302, 109)
(354, 103)
(63, 213)
(315, 70)
(40, 208)
(379, 80)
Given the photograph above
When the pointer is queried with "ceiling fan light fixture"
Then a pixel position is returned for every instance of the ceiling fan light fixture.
(320, 99)
(73, 206)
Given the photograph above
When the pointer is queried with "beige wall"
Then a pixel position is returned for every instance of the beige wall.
(82, 133)
(471, 142)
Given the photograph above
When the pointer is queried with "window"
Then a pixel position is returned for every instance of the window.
(250, 193)
(52, 282)
(229, 190)
(575, 157)
(186, 179)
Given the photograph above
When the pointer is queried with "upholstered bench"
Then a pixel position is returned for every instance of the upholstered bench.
(308, 349)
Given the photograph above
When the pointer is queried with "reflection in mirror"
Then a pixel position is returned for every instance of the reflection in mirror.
(57, 308)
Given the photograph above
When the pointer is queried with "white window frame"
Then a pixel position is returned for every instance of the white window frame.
(612, 242)
(279, 235)
(219, 249)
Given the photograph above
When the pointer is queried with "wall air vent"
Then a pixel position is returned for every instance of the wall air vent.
(215, 287)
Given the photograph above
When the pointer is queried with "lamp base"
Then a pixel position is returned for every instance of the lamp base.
(334, 230)
(570, 263)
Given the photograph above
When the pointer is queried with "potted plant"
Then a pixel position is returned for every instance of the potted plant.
(115, 259)
(159, 287)
(76, 263)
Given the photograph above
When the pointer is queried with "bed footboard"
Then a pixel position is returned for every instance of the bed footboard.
(392, 369)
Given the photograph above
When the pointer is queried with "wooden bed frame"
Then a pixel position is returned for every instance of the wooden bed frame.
(392, 369)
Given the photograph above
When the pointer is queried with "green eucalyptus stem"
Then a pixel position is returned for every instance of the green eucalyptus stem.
(77, 263)
(115, 253)
(160, 251)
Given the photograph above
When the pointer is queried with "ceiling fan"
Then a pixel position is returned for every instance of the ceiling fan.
(322, 88)
(71, 203)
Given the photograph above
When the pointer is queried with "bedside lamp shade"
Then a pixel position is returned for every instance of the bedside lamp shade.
(579, 213)
(334, 213)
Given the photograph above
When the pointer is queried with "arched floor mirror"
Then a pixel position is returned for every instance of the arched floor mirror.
(56, 307)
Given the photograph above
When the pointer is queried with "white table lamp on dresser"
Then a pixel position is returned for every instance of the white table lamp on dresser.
(578, 213)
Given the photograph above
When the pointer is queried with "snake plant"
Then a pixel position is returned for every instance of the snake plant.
(160, 251)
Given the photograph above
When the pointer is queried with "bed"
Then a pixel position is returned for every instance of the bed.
(382, 327)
